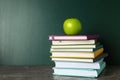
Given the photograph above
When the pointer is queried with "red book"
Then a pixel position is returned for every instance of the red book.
(73, 37)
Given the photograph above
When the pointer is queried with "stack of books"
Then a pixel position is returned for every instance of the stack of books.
(79, 55)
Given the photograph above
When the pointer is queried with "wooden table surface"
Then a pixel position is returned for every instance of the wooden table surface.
(45, 73)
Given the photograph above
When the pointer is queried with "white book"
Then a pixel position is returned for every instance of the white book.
(71, 64)
(87, 50)
(73, 59)
(73, 42)
(75, 46)
(76, 49)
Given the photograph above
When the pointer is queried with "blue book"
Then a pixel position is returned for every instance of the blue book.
(79, 65)
(79, 72)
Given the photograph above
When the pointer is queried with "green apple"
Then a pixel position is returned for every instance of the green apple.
(72, 26)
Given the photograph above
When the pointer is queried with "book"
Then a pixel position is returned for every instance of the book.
(70, 37)
(76, 54)
(77, 65)
(90, 60)
(62, 42)
(76, 49)
(75, 46)
(79, 72)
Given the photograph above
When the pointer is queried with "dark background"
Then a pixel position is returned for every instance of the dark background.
(26, 24)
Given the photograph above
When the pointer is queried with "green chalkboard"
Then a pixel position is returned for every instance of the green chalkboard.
(26, 24)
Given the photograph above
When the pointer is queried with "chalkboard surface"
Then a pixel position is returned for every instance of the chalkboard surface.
(26, 24)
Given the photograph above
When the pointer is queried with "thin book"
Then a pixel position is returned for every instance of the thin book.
(76, 49)
(77, 65)
(75, 46)
(73, 42)
(71, 54)
(76, 37)
(90, 60)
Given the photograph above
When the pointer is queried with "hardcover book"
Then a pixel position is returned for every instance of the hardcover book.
(77, 37)
(77, 65)
(61, 42)
(103, 55)
(76, 49)
(79, 72)
(75, 46)
(76, 54)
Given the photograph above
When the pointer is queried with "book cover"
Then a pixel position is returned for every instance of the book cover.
(76, 49)
(77, 65)
(61, 42)
(77, 37)
(103, 55)
(76, 54)
(79, 72)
